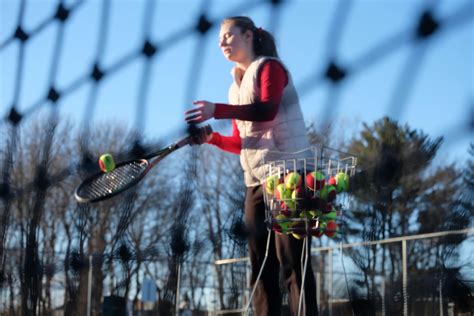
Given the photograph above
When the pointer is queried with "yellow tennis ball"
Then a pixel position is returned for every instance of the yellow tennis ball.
(106, 162)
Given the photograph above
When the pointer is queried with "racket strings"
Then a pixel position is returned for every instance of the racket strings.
(113, 182)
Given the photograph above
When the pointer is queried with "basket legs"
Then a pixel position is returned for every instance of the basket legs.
(304, 265)
(304, 262)
(247, 309)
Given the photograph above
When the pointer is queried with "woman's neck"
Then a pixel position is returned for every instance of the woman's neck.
(246, 63)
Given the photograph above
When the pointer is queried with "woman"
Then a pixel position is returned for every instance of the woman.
(266, 119)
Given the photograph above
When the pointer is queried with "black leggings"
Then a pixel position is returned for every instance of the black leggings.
(284, 251)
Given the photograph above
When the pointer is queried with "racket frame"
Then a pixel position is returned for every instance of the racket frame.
(151, 159)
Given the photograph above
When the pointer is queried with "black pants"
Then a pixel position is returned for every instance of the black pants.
(284, 251)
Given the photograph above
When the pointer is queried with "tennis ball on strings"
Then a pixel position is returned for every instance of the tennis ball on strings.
(342, 182)
(315, 180)
(293, 180)
(106, 162)
(271, 183)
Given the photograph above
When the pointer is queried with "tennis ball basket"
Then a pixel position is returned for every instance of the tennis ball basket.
(306, 193)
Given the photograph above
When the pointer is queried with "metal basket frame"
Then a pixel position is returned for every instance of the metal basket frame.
(326, 160)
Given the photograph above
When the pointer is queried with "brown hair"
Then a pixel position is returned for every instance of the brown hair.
(263, 41)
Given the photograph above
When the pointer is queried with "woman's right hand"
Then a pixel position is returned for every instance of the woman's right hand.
(202, 135)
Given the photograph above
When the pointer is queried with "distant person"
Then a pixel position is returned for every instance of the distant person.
(184, 306)
(266, 116)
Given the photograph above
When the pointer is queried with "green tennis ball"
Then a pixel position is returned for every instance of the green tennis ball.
(342, 182)
(106, 163)
(283, 222)
(293, 180)
(271, 183)
(330, 216)
(328, 193)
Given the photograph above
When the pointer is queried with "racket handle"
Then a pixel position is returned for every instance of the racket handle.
(207, 128)
(198, 135)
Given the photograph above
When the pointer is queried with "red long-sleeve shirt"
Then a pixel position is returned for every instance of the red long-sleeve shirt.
(272, 80)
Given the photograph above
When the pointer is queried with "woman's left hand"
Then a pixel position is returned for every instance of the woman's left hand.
(203, 112)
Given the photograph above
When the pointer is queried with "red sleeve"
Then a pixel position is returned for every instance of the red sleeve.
(230, 144)
(272, 80)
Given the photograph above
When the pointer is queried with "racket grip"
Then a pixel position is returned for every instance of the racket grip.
(198, 135)
(207, 129)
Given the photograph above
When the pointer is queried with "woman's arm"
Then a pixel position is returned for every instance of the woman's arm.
(272, 82)
(230, 144)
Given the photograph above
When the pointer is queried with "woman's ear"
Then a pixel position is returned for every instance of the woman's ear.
(248, 36)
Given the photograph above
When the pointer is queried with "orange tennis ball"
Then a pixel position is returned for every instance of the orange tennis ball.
(315, 180)
(106, 163)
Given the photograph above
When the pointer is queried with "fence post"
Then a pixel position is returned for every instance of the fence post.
(177, 290)
(89, 287)
(404, 267)
(440, 297)
(330, 282)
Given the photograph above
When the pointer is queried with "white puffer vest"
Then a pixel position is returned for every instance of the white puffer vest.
(272, 140)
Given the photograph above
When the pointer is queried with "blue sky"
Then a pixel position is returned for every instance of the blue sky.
(439, 100)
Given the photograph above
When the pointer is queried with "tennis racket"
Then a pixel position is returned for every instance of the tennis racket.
(102, 186)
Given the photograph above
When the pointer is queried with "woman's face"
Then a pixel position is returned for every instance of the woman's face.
(235, 45)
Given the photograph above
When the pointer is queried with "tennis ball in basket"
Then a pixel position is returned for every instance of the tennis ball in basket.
(296, 194)
(271, 183)
(283, 222)
(313, 213)
(293, 180)
(332, 181)
(281, 192)
(297, 236)
(331, 229)
(342, 182)
(328, 193)
(315, 180)
(330, 216)
(319, 231)
(106, 163)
